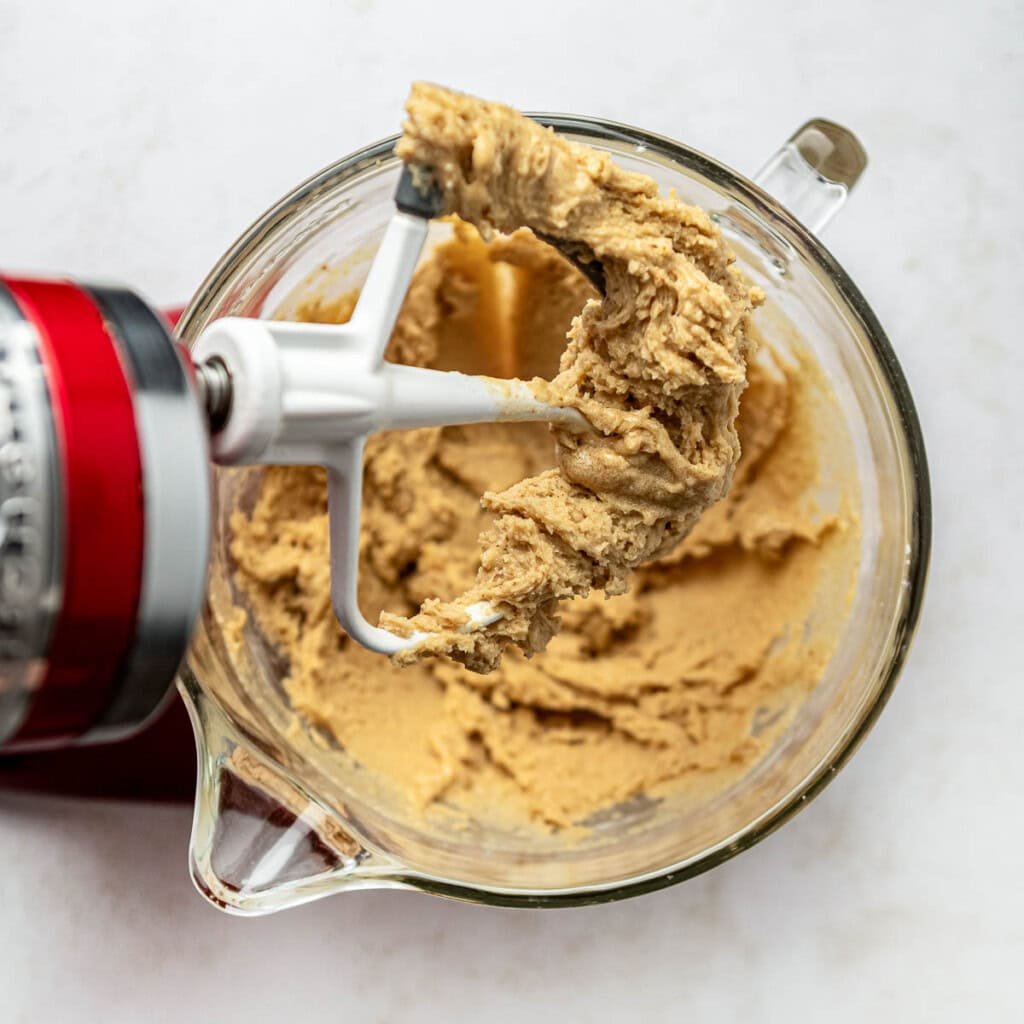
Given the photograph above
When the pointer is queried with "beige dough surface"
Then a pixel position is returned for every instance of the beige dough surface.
(680, 683)
(656, 365)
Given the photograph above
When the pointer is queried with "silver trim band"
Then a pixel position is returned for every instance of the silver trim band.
(176, 492)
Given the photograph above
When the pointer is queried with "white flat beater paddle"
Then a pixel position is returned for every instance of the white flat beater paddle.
(282, 393)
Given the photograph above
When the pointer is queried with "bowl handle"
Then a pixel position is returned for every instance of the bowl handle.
(814, 171)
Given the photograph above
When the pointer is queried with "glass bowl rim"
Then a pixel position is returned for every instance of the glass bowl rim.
(829, 271)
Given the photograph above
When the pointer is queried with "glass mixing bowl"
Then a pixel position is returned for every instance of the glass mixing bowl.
(282, 817)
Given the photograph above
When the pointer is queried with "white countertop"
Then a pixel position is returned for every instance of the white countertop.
(135, 144)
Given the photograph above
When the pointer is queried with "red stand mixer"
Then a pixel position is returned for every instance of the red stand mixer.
(100, 431)
(107, 430)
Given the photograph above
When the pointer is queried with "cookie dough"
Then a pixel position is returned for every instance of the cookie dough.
(675, 688)
(656, 366)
